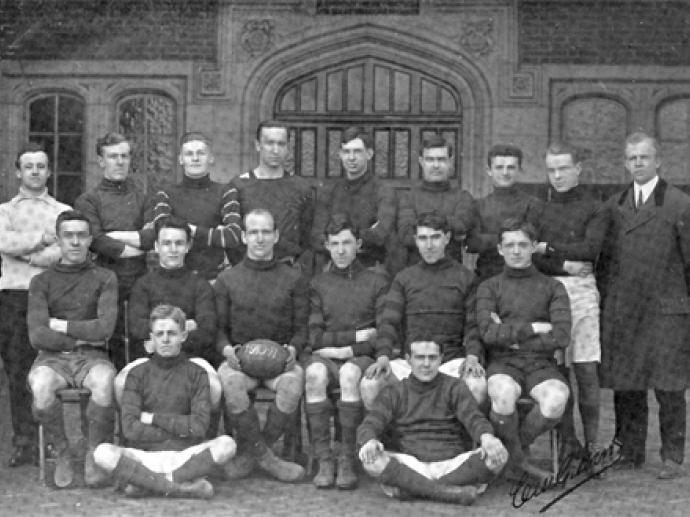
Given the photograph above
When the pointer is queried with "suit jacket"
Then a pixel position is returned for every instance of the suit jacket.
(646, 310)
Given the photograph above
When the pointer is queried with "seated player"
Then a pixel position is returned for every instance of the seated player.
(211, 209)
(523, 318)
(345, 303)
(166, 407)
(71, 314)
(261, 298)
(434, 298)
(432, 417)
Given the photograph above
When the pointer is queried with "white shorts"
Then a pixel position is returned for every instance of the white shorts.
(584, 306)
(433, 470)
(402, 369)
(164, 462)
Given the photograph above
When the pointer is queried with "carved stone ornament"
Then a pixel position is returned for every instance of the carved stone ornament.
(211, 82)
(257, 36)
(521, 85)
(476, 37)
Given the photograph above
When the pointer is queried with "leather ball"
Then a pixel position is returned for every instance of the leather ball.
(262, 358)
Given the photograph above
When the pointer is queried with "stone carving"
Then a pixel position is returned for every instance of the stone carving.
(211, 82)
(476, 37)
(257, 36)
(521, 86)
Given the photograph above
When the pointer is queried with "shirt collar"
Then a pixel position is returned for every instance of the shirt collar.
(646, 189)
(25, 194)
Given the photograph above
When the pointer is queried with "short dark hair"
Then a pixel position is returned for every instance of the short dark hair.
(339, 222)
(435, 141)
(504, 150)
(564, 148)
(258, 211)
(433, 220)
(271, 124)
(195, 136)
(354, 132)
(430, 340)
(171, 221)
(515, 224)
(109, 139)
(71, 215)
(165, 312)
(30, 147)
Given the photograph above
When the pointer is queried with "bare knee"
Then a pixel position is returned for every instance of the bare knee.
(349, 377)
(478, 387)
(234, 385)
(100, 381)
(43, 382)
(222, 448)
(316, 382)
(107, 456)
(552, 397)
(369, 390)
(289, 388)
(504, 393)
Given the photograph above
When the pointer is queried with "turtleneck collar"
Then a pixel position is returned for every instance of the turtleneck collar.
(436, 186)
(564, 197)
(442, 263)
(115, 186)
(421, 387)
(73, 268)
(349, 272)
(197, 183)
(356, 184)
(168, 362)
(172, 273)
(519, 272)
(259, 265)
(506, 191)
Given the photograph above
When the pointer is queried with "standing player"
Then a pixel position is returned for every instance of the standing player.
(212, 210)
(115, 208)
(436, 192)
(572, 230)
(290, 198)
(507, 200)
(27, 247)
(346, 304)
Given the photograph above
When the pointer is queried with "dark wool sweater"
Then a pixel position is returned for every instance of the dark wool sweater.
(289, 199)
(445, 198)
(184, 289)
(520, 297)
(176, 391)
(367, 200)
(490, 212)
(432, 421)
(83, 294)
(215, 211)
(111, 206)
(262, 299)
(431, 302)
(574, 225)
(342, 302)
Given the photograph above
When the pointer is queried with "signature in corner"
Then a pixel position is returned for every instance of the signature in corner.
(524, 491)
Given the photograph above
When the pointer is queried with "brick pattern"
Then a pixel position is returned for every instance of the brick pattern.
(102, 29)
(624, 32)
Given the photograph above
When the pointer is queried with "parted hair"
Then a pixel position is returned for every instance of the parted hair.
(196, 136)
(556, 148)
(111, 138)
(514, 224)
(353, 132)
(341, 221)
(504, 150)
(171, 221)
(434, 220)
(258, 211)
(30, 147)
(271, 124)
(165, 311)
(435, 141)
(639, 137)
(71, 215)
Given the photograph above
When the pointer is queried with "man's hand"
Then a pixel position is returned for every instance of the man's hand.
(495, 318)
(193, 228)
(381, 368)
(231, 357)
(541, 248)
(471, 367)
(291, 361)
(541, 327)
(190, 325)
(577, 268)
(48, 238)
(370, 451)
(146, 418)
(493, 450)
(335, 352)
(58, 325)
(365, 334)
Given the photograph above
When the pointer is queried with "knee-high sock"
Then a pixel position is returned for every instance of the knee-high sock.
(402, 476)
(350, 415)
(53, 424)
(129, 470)
(506, 427)
(319, 415)
(276, 422)
(566, 425)
(198, 465)
(473, 472)
(588, 398)
(248, 431)
(535, 424)
(101, 420)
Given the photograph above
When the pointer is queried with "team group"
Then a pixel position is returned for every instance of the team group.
(429, 360)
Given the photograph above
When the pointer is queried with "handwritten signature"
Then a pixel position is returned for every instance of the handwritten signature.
(524, 491)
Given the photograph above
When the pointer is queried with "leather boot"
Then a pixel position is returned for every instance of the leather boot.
(100, 429)
(54, 427)
(319, 415)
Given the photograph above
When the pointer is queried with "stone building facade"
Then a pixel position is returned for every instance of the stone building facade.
(479, 71)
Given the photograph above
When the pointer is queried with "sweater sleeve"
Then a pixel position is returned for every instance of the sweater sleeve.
(391, 318)
(223, 305)
(319, 337)
(14, 241)
(101, 327)
(379, 417)
(478, 240)
(196, 423)
(139, 310)
(589, 247)
(88, 204)
(322, 213)
(306, 219)
(300, 314)
(497, 335)
(407, 219)
(200, 340)
(560, 319)
(131, 407)
(41, 336)
(468, 412)
(227, 235)
(471, 340)
(385, 218)
(462, 218)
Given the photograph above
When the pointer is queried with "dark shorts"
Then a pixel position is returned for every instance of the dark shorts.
(526, 371)
(73, 366)
(333, 366)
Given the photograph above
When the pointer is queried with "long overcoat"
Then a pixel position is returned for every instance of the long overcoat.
(646, 313)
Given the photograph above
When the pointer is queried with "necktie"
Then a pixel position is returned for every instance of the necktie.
(640, 199)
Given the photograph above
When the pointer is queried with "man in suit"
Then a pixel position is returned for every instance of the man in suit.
(646, 310)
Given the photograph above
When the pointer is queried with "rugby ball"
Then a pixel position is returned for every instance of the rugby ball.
(262, 358)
